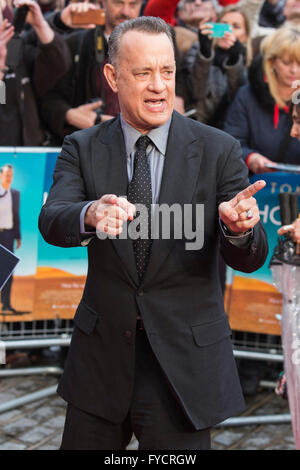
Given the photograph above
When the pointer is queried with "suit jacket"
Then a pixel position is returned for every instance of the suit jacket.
(180, 298)
(16, 214)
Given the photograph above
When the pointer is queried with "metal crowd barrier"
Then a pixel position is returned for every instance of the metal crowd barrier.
(48, 333)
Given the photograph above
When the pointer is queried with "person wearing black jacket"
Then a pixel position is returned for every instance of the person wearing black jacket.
(43, 59)
(82, 97)
(150, 351)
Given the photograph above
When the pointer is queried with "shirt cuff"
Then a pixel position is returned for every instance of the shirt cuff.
(82, 225)
(248, 158)
(239, 240)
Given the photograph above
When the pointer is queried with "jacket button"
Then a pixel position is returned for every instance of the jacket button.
(140, 293)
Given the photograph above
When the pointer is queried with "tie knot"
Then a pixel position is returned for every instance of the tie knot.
(143, 142)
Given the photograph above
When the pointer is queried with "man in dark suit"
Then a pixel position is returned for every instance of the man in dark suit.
(151, 352)
(9, 224)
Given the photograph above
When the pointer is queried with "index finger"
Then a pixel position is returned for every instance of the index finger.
(93, 105)
(248, 192)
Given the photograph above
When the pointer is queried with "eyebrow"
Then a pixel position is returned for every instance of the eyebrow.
(146, 68)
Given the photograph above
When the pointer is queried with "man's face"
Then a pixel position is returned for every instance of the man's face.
(198, 11)
(6, 177)
(291, 8)
(295, 131)
(117, 11)
(144, 79)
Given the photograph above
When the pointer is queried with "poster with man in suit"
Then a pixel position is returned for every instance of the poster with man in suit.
(10, 235)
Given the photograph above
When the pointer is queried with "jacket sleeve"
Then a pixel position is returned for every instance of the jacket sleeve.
(236, 77)
(56, 102)
(61, 97)
(199, 71)
(59, 220)
(52, 62)
(237, 122)
(16, 215)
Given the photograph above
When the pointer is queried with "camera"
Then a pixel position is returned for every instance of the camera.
(19, 18)
(96, 17)
(15, 45)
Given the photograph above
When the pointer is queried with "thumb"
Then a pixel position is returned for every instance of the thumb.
(109, 199)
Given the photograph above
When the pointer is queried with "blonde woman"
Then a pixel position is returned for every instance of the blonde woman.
(259, 116)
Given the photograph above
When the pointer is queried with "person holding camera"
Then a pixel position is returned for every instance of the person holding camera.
(29, 64)
(216, 66)
(83, 97)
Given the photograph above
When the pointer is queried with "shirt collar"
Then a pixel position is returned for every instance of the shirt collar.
(158, 135)
(3, 191)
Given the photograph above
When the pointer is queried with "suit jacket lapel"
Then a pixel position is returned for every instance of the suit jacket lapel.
(110, 177)
(181, 170)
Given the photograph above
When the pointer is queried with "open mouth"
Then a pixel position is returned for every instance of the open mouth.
(156, 104)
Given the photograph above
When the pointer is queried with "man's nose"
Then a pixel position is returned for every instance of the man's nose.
(157, 83)
(125, 10)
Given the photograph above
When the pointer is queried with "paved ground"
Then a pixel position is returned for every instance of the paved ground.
(38, 425)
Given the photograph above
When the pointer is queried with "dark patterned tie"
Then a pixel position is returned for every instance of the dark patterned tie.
(139, 192)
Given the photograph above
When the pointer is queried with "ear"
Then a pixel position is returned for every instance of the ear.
(111, 76)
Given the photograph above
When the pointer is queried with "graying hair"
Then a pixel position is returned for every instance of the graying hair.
(6, 165)
(143, 24)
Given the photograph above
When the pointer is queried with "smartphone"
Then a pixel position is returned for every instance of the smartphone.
(96, 17)
(219, 29)
(19, 18)
(283, 167)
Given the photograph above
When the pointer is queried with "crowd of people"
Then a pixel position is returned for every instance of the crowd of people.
(241, 82)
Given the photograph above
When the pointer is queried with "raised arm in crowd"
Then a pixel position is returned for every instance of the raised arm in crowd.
(30, 65)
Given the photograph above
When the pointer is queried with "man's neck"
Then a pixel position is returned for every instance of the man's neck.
(107, 30)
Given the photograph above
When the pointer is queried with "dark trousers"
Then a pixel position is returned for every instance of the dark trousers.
(155, 417)
(7, 240)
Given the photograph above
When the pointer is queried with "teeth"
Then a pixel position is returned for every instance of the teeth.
(154, 103)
